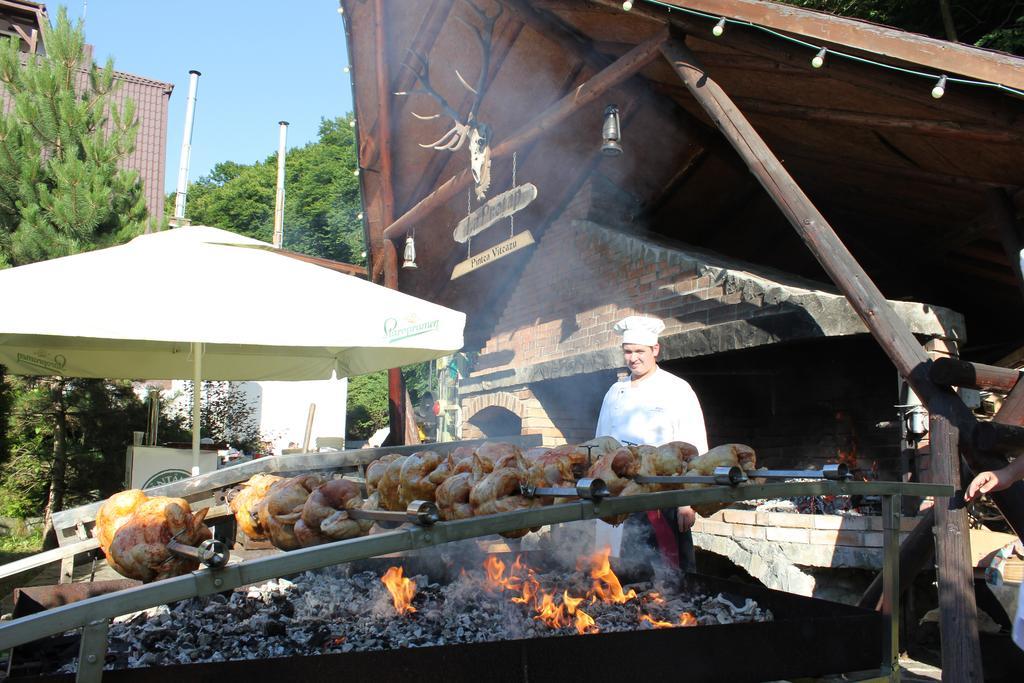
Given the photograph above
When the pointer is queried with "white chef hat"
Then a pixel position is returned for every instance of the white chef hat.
(637, 329)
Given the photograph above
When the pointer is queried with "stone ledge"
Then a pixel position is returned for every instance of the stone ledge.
(827, 531)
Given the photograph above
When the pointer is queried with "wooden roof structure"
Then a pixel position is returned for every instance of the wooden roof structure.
(923, 191)
(896, 164)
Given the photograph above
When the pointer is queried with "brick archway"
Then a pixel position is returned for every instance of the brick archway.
(499, 399)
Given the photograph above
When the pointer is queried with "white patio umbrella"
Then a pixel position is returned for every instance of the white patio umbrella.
(228, 308)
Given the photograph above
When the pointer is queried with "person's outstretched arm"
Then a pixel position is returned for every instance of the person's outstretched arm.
(995, 480)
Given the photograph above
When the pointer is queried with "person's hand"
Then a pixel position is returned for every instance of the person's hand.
(985, 482)
(685, 516)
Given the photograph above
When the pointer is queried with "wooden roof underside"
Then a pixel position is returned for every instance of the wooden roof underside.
(906, 180)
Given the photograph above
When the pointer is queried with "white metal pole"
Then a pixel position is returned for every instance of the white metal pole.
(197, 389)
(279, 203)
(186, 146)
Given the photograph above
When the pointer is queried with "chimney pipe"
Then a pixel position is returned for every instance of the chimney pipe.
(186, 151)
(279, 202)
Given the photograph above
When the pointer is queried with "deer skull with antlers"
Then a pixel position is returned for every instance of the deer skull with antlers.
(469, 128)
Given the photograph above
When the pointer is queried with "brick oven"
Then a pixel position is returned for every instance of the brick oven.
(778, 362)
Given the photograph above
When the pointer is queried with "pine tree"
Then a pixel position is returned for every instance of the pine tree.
(61, 190)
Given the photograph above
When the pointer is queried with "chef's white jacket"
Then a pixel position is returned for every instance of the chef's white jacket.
(657, 409)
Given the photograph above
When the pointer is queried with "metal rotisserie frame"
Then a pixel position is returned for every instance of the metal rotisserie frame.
(93, 615)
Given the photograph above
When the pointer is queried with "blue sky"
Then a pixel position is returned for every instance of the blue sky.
(261, 61)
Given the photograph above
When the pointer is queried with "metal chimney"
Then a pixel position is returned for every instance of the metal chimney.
(279, 202)
(186, 151)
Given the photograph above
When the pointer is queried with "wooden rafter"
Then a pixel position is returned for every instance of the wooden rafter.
(942, 56)
(1005, 220)
(994, 112)
(614, 74)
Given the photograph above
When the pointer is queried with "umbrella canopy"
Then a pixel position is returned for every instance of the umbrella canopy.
(259, 315)
(228, 308)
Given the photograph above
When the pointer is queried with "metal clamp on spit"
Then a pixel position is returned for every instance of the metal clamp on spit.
(833, 472)
(723, 476)
(210, 552)
(421, 512)
(586, 488)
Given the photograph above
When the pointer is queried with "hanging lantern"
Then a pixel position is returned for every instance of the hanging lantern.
(409, 254)
(610, 133)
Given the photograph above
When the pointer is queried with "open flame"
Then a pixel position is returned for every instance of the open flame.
(402, 590)
(564, 611)
(687, 619)
(606, 585)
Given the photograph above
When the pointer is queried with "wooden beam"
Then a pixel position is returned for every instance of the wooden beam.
(1004, 217)
(997, 112)
(892, 334)
(597, 86)
(961, 373)
(822, 28)
(917, 126)
(347, 268)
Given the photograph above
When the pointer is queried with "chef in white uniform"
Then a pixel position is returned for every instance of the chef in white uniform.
(652, 406)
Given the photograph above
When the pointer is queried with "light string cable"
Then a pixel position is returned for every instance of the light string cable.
(836, 53)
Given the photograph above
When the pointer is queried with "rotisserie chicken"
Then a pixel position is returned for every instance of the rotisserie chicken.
(112, 515)
(726, 455)
(282, 507)
(325, 514)
(501, 491)
(375, 471)
(452, 496)
(245, 505)
(139, 547)
(422, 472)
(388, 484)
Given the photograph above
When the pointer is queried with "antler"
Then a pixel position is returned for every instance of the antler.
(484, 38)
(454, 139)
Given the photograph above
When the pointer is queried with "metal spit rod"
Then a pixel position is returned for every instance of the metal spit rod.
(210, 552)
(422, 512)
(587, 488)
(833, 472)
(723, 476)
(733, 476)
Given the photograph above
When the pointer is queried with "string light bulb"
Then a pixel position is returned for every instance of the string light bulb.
(356, 173)
(818, 60)
(352, 123)
(359, 215)
(940, 87)
(341, 10)
(718, 28)
(346, 69)
(627, 5)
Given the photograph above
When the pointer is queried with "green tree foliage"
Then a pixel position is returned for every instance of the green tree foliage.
(98, 419)
(321, 197)
(367, 405)
(226, 417)
(995, 24)
(61, 190)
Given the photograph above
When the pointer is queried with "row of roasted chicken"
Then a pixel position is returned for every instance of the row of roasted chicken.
(133, 530)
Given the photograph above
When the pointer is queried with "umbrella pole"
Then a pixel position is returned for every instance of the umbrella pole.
(197, 388)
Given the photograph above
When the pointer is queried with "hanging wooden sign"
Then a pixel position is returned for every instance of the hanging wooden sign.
(496, 208)
(523, 239)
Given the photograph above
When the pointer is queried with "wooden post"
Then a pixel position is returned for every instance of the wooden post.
(891, 333)
(958, 613)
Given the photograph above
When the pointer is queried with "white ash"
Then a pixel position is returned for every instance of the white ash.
(331, 610)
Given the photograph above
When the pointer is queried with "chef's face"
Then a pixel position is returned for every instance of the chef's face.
(640, 359)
